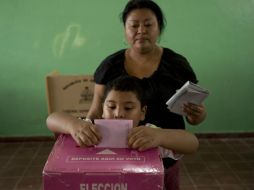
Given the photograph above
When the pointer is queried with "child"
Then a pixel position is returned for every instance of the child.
(124, 98)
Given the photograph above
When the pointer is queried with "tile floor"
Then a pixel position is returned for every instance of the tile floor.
(221, 164)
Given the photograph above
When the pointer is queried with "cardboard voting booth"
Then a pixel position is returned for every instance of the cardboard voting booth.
(72, 167)
(69, 93)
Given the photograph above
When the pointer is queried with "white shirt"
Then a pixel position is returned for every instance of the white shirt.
(164, 152)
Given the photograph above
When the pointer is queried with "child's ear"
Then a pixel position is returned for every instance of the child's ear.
(143, 113)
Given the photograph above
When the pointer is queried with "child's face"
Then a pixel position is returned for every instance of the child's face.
(123, 105)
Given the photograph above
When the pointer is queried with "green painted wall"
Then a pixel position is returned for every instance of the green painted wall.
(72, 37)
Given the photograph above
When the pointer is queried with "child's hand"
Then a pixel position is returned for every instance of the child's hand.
(85, 133)
(143, 138)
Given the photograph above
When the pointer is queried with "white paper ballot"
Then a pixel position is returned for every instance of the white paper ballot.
(114, 132)
(189, 92)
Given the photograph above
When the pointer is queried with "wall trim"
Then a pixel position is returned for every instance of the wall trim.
(27, 139)
(225, 135)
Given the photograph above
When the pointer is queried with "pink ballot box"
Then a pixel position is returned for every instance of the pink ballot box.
(74, 168)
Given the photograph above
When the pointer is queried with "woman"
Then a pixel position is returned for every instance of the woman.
(162, 72)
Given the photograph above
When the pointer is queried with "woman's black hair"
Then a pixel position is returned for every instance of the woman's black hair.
(144, 4)
(127, 83)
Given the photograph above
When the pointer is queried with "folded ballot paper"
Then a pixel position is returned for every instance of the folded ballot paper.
(189, 92)
(114, 132)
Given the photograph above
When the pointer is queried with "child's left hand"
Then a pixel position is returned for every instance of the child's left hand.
(143, 138)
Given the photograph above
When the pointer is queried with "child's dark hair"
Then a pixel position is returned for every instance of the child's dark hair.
(127, 84)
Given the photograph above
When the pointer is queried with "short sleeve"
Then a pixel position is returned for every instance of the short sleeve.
(177, 68)
(167, 153)
(110, 68)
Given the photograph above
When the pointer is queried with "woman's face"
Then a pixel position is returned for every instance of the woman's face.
(141, 29)
(123, 105)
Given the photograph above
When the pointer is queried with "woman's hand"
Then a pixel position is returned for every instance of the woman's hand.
(143, 138)
(84, 133)
(195, 113)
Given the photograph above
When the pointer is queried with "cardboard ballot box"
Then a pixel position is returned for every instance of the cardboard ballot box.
(69, 93)
(71, 167)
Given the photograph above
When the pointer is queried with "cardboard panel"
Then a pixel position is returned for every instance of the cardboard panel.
(69, 93)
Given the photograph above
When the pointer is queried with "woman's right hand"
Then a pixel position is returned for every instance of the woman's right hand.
(84, 133)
